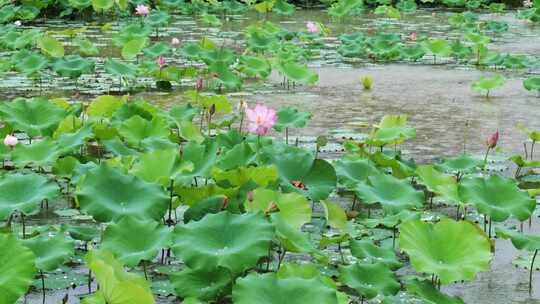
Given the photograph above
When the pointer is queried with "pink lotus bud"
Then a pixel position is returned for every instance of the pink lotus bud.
(312, 27)
(493, 140)
(10, 141)
(161, 61)
(412, 36)
(142, 10)
(199, 85)
(225, 203)
(175, 42)
(250, 196)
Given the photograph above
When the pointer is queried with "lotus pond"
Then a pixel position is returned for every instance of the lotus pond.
(269, 152)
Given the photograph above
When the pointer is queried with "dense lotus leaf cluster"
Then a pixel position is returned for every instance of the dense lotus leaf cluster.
(219, 214)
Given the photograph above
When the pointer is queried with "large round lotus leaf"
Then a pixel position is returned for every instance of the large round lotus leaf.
(120, 69)
(23, 193)
(235, 242)
(16, 270)
(133, 48)
(116, 286)
(464, 163)
(157, 18)
(260, 175)
(202, 156)
(437, 47)
(370, 280)
(36, 117)
(438, 182)
(497, 197)
(51, 46)
(520, 240)
(241, 155)
(105, 106)
(291, 118)
(82, 233)
(160, 166)
(30, 63)
(38, 154)
(532, 83)
(253, 66)
(73, 66)
(268, 289)
(291, 238)
(368, 252)
(427, 292)
(200, 284)
(488, 83)
(107, 194)
(51, 251)
(69, 142)
(351, 49)
(86, 47)
(451, 250)
(157, 49)
(212, 204)
(298, 73)
(191, 51)
(132, 240)
(392, 130)
(136, 129)
(393, 194)
(223, 55)
(225, 75)
(352, 171)
(413, 52)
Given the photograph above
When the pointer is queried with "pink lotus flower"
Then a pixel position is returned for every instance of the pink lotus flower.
(260, 119)
(493, 140)
(412, 36)
(142, 10)
(10, 141)
(161, 61)
(175, 42)
(199, 85)
(312, 27)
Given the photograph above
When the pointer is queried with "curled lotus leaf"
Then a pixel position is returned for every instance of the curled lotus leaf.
(17, 269)
(427, 292)
(291, 118)
(370, 280)
(73, 66)
(51, 250)
(36, 117)
(530, 242)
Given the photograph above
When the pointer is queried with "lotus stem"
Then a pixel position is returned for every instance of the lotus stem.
(394, 231)
(171, 194)
(457, 212)
(485, 223)
(486, 156)
(287, 136)
(526, 151)
(89, 281)
(144, 269)
(531, 270)
(23, 226)
(353, 202)
(341, 253)
(42, 285)
(489, 234)
(532, 149)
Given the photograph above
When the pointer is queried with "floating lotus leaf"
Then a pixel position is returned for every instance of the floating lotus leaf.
(291, 118)
(17, 269)
(73, 66)
(520, 240)
(429, 294)
(451, 250)
(24, 193)
(82, 233)
(131, 49)
(51, 251)
(132, 240)
(38, 154)
(120, 69)
(393, 194)
(51, 46)
(243, 240)
(116, 286)
(30, 63)
(370, 280)
(36, 117)
(107, 194)
(413, 53)
(269, 289)
(497, 197)
(352, 170)
(298, 73)
(352, 49)
(368, 252)
(438, 182)
(200, 284)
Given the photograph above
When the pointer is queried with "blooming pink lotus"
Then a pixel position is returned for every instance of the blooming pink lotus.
(312, 27)
(260, 119)
(412, 36)
(161, 61)
(175, 42)
(10, 141)
(493, 140)
(142, 10)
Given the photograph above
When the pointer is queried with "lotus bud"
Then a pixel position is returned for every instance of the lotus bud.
(199, 84)
(412, 36)
(10, 141)
(312, 27)
(161, 61)
(250, 196)
(493, 140)
(242, 105)
(142, 10)
(225, 203)
(175, 42)
(212, 109)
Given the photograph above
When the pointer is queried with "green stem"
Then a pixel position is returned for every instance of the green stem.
(531, 270)
(42, 284)
(486, 156)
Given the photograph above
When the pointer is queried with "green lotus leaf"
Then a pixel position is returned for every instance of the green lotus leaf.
(243, 240)
(17, 269)
(191, 195)
(292, 239)
(116, 286)
(51, 251)
(400, 168)
(259, 41)
(129, 32)
(105, 106)
(344, 8)
(209, 205)
(476, 38)
(51, 46)
(438, 47)
(284, 8)
(191, 51)
(334, 214)
(102, 5)
(393, 194)
(82, 233)
(370, 280)
(240, 155)
(136, 129)
(157, 18)
(352, 49)
(391, 130)
(269, 289)
(225, 76)
(86, 47)
(298, 73)
(438, 182)
(532, 84)
(497, 197)
(73, 66)
(389, 11)
(65, 166)
(407, 6)
(451, 250)
(68, 142)
(461, 164)
(107, 194)
(23, 193)
(414, 53)
(29, 63)
(234, 7)
(459, 50)
(200, 284)
(157, 49)
(131, 49)
(36, 117)
(120, 69)
(261, 175)
(429, 294)
(38, 154)
(516, 61)
(368, 252)
(160, 166)
(132, 240)
(253, 66)
(520, 240)
(202, 156)
(293, 208)
(352, 170)
(487, 84)
(291, 118)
